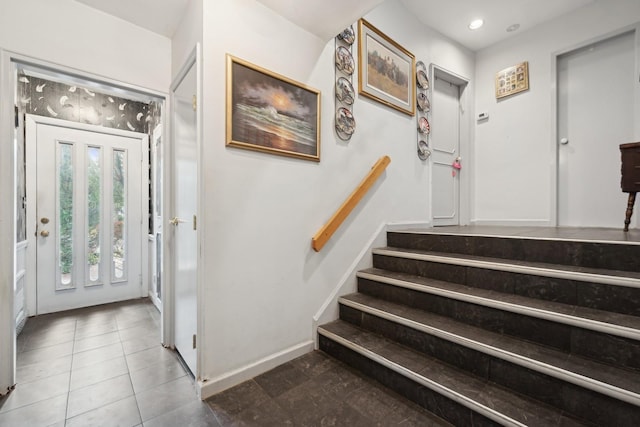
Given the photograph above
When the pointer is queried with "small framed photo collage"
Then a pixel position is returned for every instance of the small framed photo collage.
(512, 80)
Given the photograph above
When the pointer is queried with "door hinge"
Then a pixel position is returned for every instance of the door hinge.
(195, 223)
(194, 340)
(17, 111)
(194, 102)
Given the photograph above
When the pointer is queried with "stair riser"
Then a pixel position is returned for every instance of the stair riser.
(596, 345)
(565, 396)
(432, 401)
(617, 299)
(583, 403)
(582, 254)
(469, 360)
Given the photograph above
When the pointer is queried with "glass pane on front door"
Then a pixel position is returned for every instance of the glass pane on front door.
(65, 216)
(119, 214)
(94, 209)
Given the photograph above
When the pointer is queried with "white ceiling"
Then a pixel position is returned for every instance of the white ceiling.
(452, 17)
(326, 18)
(160, 16)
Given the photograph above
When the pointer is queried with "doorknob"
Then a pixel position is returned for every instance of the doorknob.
(44, 220)
(175, 221)
(44, 233)
(564, 141)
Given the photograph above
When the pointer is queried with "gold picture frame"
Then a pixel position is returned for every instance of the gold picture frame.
(386, 70)
(271, 113)
(512, 80)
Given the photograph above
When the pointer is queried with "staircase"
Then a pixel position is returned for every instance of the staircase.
(488, 330)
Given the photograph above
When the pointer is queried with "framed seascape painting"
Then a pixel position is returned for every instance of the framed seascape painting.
(271, 113)
(386, 70)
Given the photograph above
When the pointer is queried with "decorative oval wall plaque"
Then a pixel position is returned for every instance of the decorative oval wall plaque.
(344, 60)
(423, 102)
(344, 91)
(423, 80)
(345, 122)
(423, 126)
(348, 35)
(423, 150)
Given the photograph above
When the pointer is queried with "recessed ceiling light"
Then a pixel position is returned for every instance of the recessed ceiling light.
(475, 24)
(512, 28)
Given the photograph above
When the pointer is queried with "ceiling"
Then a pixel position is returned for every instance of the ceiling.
(326, 18)
(452, 17)
(164, 17)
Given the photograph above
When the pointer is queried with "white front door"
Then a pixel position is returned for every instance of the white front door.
(595, 115)
(184, 222)
(88, 215)
(445, 143)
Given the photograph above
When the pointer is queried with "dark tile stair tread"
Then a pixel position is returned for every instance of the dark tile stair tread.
(571, 234)
(621, 378)
(616, 319)
(520, 408)
(560, 267)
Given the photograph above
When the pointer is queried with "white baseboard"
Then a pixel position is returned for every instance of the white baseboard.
(347, 284)
(513, 222)
(209, 387)
(396, 226)
(329, 310)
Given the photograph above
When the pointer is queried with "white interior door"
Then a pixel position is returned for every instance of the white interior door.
(595, 116)
(445, 143)
(89, 216)
(184, 223)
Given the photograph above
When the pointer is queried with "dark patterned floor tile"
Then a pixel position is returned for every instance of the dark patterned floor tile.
(237, 399)
(371, 401)
(266, 414)
(281, 379)
(314, 363)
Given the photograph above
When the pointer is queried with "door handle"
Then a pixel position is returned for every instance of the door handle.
(175, 221)
(564, 141)
(44, 233)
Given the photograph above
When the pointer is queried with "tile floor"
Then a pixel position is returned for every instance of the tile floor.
(316, 390)
(104, 366)
(99, 366)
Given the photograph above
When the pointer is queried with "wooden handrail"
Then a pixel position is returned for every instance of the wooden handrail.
(324, 234)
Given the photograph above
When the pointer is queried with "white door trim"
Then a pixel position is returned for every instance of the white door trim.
(554, 132)
(466, 153)
(158, 152)
(31, 123)
(7, 227)
(194, 59)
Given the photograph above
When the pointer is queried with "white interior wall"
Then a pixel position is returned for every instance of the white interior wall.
(263, 282)
(76, 36)
(187, 35)
(515, 149)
